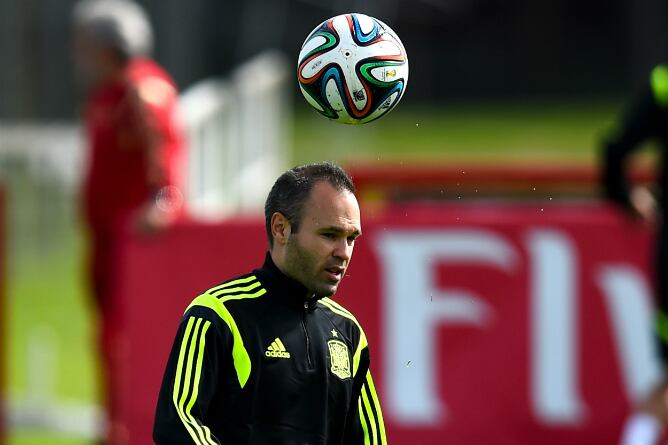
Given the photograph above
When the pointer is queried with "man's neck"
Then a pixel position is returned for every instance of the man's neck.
(279, 262)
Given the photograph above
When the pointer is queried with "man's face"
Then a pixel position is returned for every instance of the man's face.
(319, 253)
(93, 63)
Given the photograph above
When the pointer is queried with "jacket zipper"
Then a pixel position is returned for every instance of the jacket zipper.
(308, 343)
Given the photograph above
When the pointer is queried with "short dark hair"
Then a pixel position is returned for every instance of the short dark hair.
(292, 189)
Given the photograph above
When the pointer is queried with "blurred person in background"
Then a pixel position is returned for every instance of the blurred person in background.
(646, 118)
(134, 153)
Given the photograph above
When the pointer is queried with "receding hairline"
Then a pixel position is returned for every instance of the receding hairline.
(339, 188)
(339, 191)
(333, 183)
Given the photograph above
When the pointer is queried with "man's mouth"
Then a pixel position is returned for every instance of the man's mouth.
(335, 273)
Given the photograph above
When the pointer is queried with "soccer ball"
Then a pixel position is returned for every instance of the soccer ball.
(353, 69)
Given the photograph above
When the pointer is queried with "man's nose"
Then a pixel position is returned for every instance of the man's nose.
(343, 250)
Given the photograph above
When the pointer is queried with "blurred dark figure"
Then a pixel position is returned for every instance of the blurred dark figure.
(646, 118)
(134, 152)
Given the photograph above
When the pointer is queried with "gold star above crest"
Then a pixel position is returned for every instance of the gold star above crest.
(334, 333)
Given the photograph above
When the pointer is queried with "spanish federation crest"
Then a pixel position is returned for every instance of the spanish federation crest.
(339, 359)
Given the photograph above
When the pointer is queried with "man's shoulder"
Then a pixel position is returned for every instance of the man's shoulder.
(659, 84)
(242, 287)
(339, 311)
(151, 84)
(141, 67)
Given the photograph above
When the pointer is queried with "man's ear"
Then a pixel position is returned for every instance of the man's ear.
(280, 228)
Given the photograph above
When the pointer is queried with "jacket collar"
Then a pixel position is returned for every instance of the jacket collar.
(283, 287)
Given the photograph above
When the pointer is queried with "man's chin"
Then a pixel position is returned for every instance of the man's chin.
(326, 290)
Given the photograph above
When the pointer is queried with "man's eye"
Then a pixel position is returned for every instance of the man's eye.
(329, 235)
(351, 239)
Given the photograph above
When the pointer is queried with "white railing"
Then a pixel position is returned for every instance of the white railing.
(238, 131)
(51, 150)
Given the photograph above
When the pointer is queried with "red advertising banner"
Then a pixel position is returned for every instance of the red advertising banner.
(487, 322)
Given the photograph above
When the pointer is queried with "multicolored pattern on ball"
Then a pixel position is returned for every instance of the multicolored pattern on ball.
(353, 69)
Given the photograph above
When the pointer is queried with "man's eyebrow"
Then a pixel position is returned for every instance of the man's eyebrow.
(337, 229)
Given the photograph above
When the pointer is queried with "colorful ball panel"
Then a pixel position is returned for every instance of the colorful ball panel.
(353, 69)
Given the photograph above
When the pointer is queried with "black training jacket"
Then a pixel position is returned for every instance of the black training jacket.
(645, 118)
(256, 362)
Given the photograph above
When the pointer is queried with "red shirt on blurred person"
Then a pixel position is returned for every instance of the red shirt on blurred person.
(135, 149)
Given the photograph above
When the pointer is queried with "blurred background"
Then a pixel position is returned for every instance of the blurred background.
(492, 83)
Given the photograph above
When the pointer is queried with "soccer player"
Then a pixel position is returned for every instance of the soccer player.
(134, 147)
(646, 118)
(268, 358)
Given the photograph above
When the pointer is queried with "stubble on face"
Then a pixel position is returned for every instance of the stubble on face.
(302, 267)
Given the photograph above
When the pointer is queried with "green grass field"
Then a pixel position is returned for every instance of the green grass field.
(43, 438)
(48, 304)
(487, 133)
(46, 301)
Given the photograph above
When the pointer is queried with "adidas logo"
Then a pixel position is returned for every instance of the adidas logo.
(277, 349)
